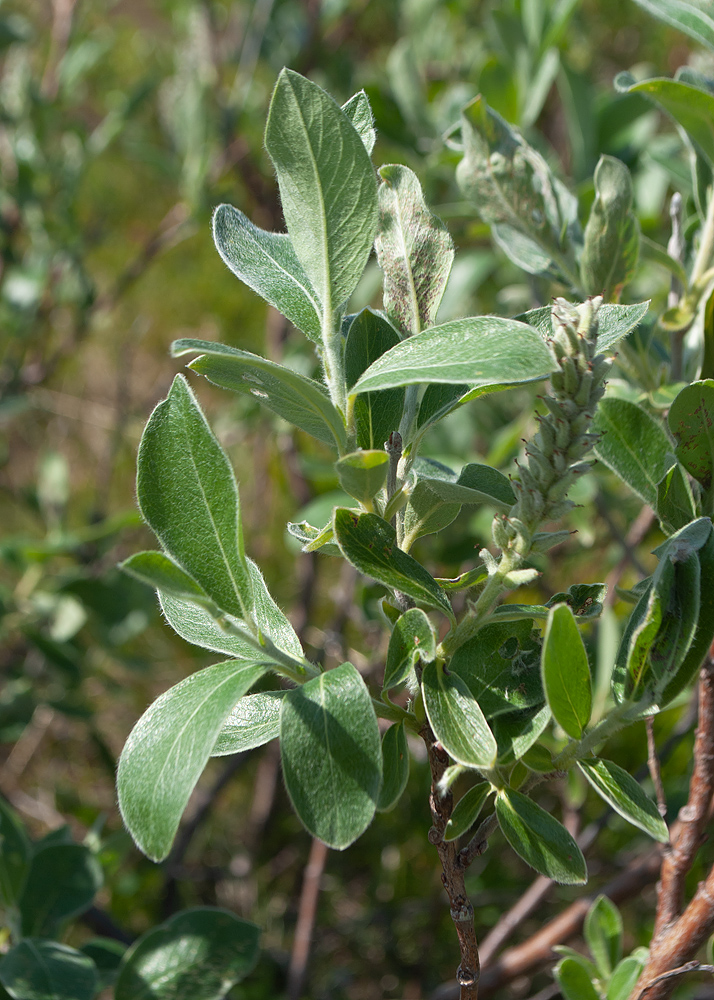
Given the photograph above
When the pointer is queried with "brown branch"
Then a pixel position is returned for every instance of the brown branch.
(306, 918)
(453, 871)
(653, 765)
(673, 973)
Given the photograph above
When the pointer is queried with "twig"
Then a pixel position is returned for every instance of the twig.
(479, 842)
(306, 918)
(654, 768)
(453, 871)
(27, 744)
(673, 973)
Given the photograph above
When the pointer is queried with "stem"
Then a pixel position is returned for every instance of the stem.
(333, 359)
(471, 623)
(706, 244)
(577, 749)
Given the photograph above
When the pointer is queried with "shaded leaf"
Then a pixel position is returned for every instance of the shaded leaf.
(199, 953)
(268, 264)
(585, 600)
(414, 250)
(161, 572)
(411, 640)
(689, 106)
(299, 400)
(501, 666)
(369, 543)
(331, 755)
(614, 322)
(44, 970)
(612, 234)
(395, 758)
(62, 881)
(566, 673)
(466, 811)
(376, 414)
(603, 933)
(475, 484)
(516, 732)
(189, 497)
(574, 981)
(456, 718)
(15, 852)
(362, 474)
(690, 16)
(624, 978)
(620, 790)
(633, 445)
(675, 503)
(426, 513)
(169, 747)
(255, 720)
(539, 838)
(691, 420)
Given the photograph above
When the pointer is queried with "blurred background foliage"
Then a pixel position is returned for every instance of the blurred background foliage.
(122, 124)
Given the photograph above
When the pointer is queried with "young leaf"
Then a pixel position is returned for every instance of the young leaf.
(15, 851)
(456, 718)
(633, 445)
(426, 513)
(169, 747)
(359, 112)
(691, 420)
(331, 754)
(516, 732)
(376, 414)
(314, 539)
(414, 250)
(189, 497)
(362, 473)
(268, 264)
(574, 981)
(466, 811)
(625, 976)
(44, 970)
(566, 673)
(614, 322)
(62, 881)
(255, 720)
(475, 484)
(612, 234)
(675, 502)
(299, 400)
(483, 351)
(679, 621)
(690, 16)
(620, 790)
(501, 666)
(539, 838)
(369, 543)
(327, 186)
(691, 107)
(199, 953)
(395, 757)
(412, 639)
(603, 933)
(269, 618)
(161, 572)
(585, 600)
(106, 953)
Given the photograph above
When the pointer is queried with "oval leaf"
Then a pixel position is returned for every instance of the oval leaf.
(362, 473)
(395, 757)
(540, 839)
(481, 351)
(62, 881)
(633, 445)
(691, 107)
(189, 497)
(370, 544)
(566, 673)
(466, 811)
(603, 933)
(620, 790)
(691, 420)
(456, 718)
(44, 970)
(255, 720)
(574, 981)
(199, 953)
(690, 16)
(376, 414)
(161, 572)
(331, 754)
(614, 322)
(412, 639)
(169, 747)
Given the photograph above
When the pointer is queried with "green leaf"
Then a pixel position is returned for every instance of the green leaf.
(614, 322)
(189, 497)
(269, 618)
(691, 420)
(539, 838)
(199, 953)
(106, 953)
(44, 970)
(566, 673)
(299, 400)
(612, 234)
(15, 852)
(359, 112)
(690, 16)
(620, 790)
(689, 106)
(466, 811)
(369, 543)
(411, 640)
(501, 667)
(255, 720)
(161, 572)
(268, 264)
(574, 981)
(314, 539)
(516, 732)
(475, 484)
(331, 754)
(483, 351)
(633, 445)
(376, 414)
(414, 250)
(362, 474)
(704, 634)
(327, 186)
(169, 747)
(625, 976)
(62, 881)
(395, 758)
(533, 217)
(585, 600)
(456, 718)
(603, 933)
(426, 513)
(675, 502)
